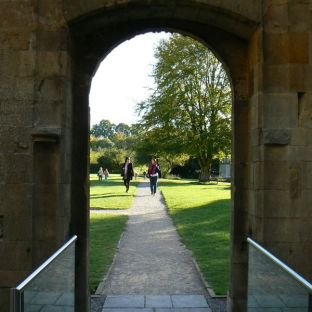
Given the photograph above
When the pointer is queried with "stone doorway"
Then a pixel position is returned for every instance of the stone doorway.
(93, 37)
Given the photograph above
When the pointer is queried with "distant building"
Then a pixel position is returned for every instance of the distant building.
(225, 168)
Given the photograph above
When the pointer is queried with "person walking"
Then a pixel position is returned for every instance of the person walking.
(106, 175)
(127, 173)
(100, 174)
(153, 173)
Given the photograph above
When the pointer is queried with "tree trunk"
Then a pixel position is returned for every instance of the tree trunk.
(205, 167)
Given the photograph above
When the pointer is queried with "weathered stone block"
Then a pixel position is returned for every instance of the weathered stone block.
(297, 77)
(46, 203)
(275, 152)
(4, 297)
(15, 139)
(16, 112)
(9, 63)
(276, 78)
(52, 90)
(17, 199)
(52, 64)
(48, 113)
(276, 17)
(299, 206)
(276, 204)
(280, 110)
(276, 175)
(24, 89)
(17, 16)
(23, 224)
(65, 195)
(299, 15)
(2, 169)
(46, 163)
(287, 47)
(305, 107)
(15, 39)
(45, 228)
(257, 153)
(18, 168)
(258, 175)
(52, 40)
(301, 153)
(16, 255)
(51, 13)
(301, 137)
(307, 175)
(27, 64)
(299, 47)
(1, 227)
(276, 137)
(256, 104)
(276, 48)
(282, 230)
(242, 174)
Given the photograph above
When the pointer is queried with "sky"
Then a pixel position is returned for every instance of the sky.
(123, 79)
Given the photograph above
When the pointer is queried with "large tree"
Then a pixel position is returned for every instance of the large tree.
(191, 101)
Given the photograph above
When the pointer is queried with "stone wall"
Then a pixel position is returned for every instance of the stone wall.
(281, 104)
(49, 50)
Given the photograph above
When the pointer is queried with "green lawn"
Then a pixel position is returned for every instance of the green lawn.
(202, 216)
(105, 231)
(111, 194)
(200, 212)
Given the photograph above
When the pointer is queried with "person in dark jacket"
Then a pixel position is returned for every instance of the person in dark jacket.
(127, 173)
(153, 173)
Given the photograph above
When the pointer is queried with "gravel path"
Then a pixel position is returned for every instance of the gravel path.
(151, 259)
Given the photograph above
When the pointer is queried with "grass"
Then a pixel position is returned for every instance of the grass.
(201, 215)
(111, 194)
(105, 231)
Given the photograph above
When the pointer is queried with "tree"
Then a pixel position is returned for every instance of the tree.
(103, 129)
(97, 144)
(151, 144)
(109, 144)
(123, 128)
(191, 101)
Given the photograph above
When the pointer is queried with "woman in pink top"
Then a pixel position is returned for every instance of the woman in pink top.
(153, 173)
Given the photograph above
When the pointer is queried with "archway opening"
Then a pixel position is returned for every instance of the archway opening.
(93, 39)
(207, 91)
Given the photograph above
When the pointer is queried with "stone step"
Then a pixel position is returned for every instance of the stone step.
(155, 303)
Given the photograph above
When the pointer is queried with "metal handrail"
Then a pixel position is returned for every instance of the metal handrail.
(46, 263)
(16, 297)
(282, 265)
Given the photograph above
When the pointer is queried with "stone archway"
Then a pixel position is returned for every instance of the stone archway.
(49, 52)
(92, 39)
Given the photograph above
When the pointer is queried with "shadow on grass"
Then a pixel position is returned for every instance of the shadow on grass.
(109, 195)
(192, 182)
(105, 232)
(205, 230)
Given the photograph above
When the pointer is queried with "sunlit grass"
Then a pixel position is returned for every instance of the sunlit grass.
(105, 231)
(201, 214)
(111, 194)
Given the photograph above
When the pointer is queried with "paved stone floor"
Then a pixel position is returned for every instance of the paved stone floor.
(152, 271)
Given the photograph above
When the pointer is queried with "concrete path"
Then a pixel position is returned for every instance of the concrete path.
(152, 271)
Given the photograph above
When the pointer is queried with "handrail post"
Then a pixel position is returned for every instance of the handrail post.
(16, 300)
(17, 293)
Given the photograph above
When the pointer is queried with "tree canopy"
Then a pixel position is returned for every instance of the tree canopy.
(109, 144)
(189, 111)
